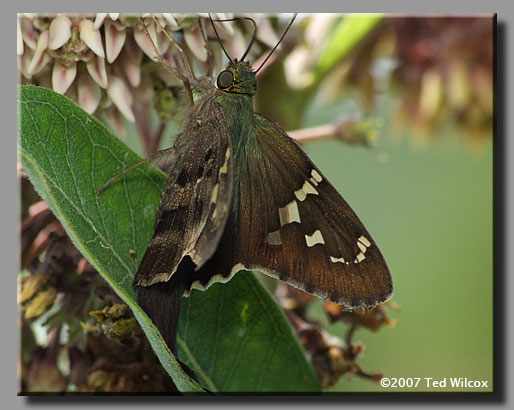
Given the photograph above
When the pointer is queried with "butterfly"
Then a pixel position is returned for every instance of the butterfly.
(242, 195)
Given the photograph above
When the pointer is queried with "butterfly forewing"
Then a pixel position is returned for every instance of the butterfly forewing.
(194, 205)
(297, 227)
(334, 255)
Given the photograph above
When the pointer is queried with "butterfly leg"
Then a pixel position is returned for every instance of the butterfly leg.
(115, 177)
(210, 55)
(169, 67)
(159, 159)
(183, 56)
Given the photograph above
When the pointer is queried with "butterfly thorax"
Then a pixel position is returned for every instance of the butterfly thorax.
(236, 86)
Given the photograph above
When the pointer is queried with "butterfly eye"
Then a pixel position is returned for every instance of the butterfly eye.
(225, 79)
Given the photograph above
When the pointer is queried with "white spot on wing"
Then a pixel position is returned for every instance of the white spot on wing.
(315, 174)
(289, 213)
(316, 178)
(314, 239)
(335, 260)
(214, 195)
(305, 190)
(363, 245)
(273, 238)
(364, 241)
(360, 257)
(224, 168)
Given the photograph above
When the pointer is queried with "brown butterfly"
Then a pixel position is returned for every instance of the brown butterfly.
(242, 195)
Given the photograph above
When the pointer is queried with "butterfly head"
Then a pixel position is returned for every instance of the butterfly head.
(237, 78)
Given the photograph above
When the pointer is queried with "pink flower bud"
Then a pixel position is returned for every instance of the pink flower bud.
(63, 76)
(96, 69)
(91, 37)
(60, 32)
(196, 43)
(114, 41)
(40, 58)
(120, 95)
(89, 93)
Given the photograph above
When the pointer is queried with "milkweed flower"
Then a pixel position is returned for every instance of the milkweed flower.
(98, 59)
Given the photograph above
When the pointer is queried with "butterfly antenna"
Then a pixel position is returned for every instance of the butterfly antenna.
(279, 41)
(253, 35)
(219, 39)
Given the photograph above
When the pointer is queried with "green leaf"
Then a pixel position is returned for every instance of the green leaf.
(234, 336)
(68, 155)
(251, 346)
(347, 33)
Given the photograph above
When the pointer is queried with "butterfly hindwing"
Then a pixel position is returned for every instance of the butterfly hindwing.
(194, 204)
(294, 225)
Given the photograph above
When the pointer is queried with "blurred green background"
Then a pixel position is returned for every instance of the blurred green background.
(430, 211)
